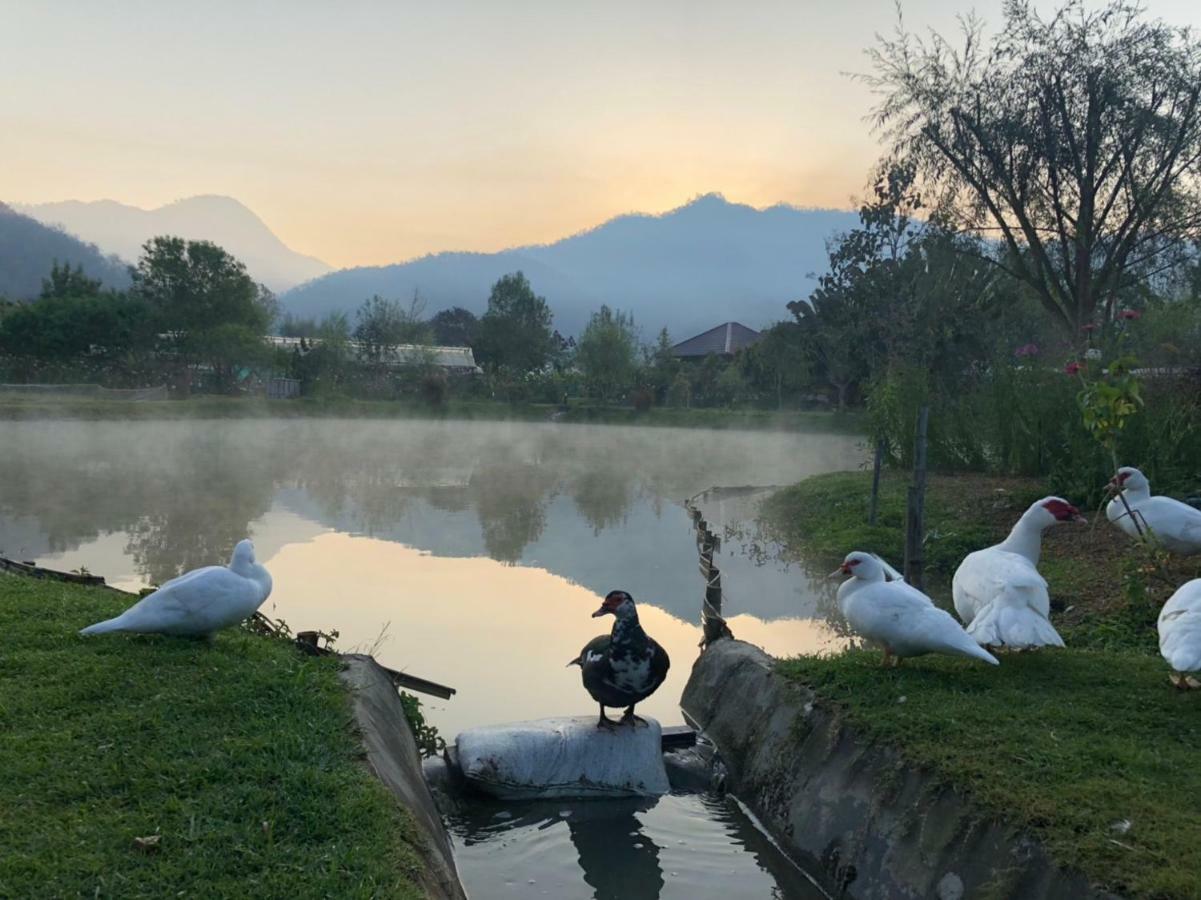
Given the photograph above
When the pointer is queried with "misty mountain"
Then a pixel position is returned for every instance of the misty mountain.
(704, 263)
(121, 229)
(28, 250)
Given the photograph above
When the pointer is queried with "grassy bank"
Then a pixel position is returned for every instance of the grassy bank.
(239, 756)
(1089, 747)
(207, 407)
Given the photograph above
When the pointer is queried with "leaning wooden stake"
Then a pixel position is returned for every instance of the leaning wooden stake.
(915, 519)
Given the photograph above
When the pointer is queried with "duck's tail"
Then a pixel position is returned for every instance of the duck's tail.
(1019, 627)
(115, 624)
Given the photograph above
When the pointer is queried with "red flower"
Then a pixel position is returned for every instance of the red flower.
(1129, 314)
(1073, 367)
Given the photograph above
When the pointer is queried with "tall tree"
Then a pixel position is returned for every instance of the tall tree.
(384, 324)
(455, 327)
(607, 353)
(205, 303)
(1075, 139)
(779, 362)
(515, 333)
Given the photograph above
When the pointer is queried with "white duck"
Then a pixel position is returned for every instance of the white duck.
(1176, 525)
(897, 616)
(1180, 633)
(199, 602)
(998, 592)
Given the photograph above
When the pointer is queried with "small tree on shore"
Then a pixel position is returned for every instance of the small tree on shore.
(607, 353)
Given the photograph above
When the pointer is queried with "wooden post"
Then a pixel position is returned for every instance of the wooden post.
(915, 519)
(875, 502)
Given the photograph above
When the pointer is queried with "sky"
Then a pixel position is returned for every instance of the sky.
(373, 132)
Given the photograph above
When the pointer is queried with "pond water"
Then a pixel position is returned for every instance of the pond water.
(472, 554)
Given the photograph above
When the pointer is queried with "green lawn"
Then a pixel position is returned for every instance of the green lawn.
(1068, 743)
(240, 755)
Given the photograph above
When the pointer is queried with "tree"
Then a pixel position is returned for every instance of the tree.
(455, 327)
(205, 304)
(515, 333)
(607, 353)
(384, 324)
(107, 332)
(67, 282)
(660, 367)
(779, 361)
(1076, 139)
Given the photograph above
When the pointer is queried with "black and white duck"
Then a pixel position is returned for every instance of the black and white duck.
(624, 667)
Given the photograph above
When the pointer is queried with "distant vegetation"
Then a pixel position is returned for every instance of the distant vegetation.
(28, 249)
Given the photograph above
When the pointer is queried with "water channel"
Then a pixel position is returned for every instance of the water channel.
(471, 554)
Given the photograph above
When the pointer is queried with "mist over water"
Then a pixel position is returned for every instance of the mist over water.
(469, 553)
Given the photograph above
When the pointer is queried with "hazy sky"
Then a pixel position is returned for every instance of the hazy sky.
(370, 132)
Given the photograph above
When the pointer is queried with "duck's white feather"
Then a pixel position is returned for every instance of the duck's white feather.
(1180, 628)
(1003, 600)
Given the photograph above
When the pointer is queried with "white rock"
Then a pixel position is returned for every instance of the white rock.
(565, 758)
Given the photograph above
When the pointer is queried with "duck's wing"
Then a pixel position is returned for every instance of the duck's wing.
(1180, 628)
(937, 631)
(200, 600)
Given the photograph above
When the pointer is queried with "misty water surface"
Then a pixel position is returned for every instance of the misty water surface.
(468, 553)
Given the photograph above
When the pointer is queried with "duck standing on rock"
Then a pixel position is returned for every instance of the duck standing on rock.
(998, 591)
(897, 616)
(1175, 525)
(199, 602)
(624, 667)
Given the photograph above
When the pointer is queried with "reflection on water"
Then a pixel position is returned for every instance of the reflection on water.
(471, 554)
(682, 846)
(468, 553)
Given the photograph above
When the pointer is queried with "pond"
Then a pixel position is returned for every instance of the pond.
(468, 553)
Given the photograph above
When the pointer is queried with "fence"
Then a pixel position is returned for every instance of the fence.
(85, 390)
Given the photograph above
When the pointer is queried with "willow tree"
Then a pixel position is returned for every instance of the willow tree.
(1074, 141)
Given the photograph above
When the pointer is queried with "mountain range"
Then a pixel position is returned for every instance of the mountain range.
(699, 265)
(28, 250)
(121, 229)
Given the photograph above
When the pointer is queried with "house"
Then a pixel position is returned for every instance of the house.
(452, 360)
(724, 340)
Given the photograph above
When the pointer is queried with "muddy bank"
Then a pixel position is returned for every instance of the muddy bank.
(393, 757)
(853, 814)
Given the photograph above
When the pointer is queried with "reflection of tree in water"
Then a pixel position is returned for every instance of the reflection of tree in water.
(510, 499)
(217, 485)
(603, 493)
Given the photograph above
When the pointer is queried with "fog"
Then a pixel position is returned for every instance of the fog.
(468, 553)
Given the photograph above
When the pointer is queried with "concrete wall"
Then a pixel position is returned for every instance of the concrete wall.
(393, 757)
(851, 813)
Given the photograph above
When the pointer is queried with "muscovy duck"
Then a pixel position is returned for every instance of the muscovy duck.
(199, 602)
(624, 667)
(1180, 634)
(999, 594)
(1175, 525)
(897, 616)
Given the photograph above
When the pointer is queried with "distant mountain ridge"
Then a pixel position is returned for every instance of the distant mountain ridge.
(122, 229)
(703, 263)
(29, 249)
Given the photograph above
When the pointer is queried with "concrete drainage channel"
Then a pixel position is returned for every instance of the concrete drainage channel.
(814, 785)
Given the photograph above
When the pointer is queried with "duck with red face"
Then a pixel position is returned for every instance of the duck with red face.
(1173, 525)
(624, 667)
(899, 618)
(999, 593)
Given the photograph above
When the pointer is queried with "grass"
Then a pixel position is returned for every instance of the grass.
(1067, 743)
(240, 756)
(13, 406)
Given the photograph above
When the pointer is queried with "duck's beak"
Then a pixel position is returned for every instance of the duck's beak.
(1079, 518)
(600, 612)
(841, 570)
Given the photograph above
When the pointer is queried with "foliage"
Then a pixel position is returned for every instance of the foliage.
(780, 362)
(660, 369)
(1076, 138)
(607, 354)
(455, 327)
(429, 742)
(515, 333)
(28, 249)
(384, 324)
(204, 302)
(238, 755)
